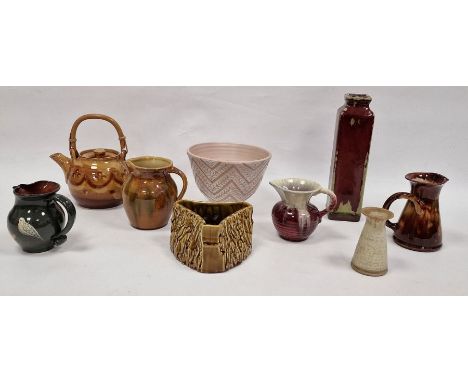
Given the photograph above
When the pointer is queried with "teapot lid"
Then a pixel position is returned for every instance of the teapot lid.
(99, 154)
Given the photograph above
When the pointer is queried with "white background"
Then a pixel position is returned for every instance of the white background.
(416, 129)
(249, 42)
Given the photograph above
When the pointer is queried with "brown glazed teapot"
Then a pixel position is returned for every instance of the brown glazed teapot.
(419, 227)
(94, 176)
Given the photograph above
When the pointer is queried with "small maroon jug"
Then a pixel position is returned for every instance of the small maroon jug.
(294, 217)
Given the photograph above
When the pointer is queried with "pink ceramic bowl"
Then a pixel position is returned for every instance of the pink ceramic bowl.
(228, 171)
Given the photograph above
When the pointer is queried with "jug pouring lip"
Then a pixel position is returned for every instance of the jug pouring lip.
(149, 163)
(296, 185)
(37, 189)
(427, 178)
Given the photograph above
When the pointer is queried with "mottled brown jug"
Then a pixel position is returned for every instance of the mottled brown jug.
(149, 192)
(94, 176)
(419, 227)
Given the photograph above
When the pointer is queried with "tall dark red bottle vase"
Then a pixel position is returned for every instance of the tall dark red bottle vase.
(353, 133)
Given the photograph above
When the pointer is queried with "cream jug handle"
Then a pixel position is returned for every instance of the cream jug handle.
(72, 145)
(332, 204)
(418, 204)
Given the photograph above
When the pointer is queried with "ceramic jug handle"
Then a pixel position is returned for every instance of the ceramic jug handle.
(331, 205)
(68, 206)
(175, 170)
(72, 145)
(402, 195)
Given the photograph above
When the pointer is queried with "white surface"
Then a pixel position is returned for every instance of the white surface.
(416, 129)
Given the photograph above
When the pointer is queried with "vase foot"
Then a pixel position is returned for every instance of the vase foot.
(368, 272)
(344, 217)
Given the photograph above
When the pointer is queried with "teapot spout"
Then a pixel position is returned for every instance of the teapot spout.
(63, 161)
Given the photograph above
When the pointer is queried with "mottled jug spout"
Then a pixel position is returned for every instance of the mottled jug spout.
(63, 161)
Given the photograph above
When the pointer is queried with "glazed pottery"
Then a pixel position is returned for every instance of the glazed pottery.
(149, 191)
(419, 225)
(370, 256)
(37, 220)
(294, 217)
(228, 171)
(211, 237)
(353, 133)
(94, 176)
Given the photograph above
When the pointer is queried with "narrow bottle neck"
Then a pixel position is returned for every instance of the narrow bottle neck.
(357, 100)
(357, 103)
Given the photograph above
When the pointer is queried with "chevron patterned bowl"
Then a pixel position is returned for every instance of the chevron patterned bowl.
(228, 172)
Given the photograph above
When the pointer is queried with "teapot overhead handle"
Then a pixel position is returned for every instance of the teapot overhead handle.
(418, 205)
(332, 203)
(123, 143)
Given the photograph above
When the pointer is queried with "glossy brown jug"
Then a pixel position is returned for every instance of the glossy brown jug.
(94, 176)
(419, 227)
(149, 191)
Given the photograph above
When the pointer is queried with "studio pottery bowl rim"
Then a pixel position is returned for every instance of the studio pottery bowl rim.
(267, 153)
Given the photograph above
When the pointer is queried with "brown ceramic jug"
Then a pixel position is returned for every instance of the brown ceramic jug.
(94, 176)
(419, 227)
(149, 191)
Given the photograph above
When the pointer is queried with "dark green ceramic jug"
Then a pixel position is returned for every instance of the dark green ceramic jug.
(37, 220)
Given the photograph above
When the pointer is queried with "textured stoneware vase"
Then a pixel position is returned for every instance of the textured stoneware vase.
(149, 191)
(211, 237)
(40, 218)
(353, 133)
(94, 176)
(228, 171)
(370, 256)
(294, 217)
(419, 226)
